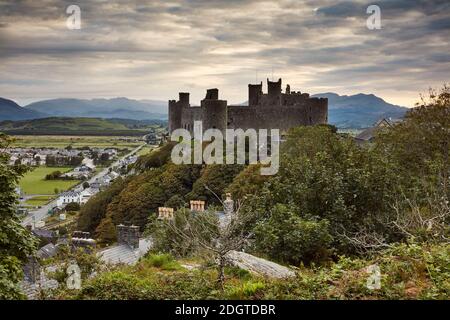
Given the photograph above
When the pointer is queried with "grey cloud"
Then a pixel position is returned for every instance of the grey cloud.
(189, 41)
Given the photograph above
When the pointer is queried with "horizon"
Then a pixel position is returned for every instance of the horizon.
(24, 102)
(155, 50)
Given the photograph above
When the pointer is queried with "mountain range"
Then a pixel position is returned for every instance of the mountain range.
(355, 111)
(359, 110)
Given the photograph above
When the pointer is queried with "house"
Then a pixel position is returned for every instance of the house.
(83, 168)
(85, 195)
(129, 249)
(95, 185)
(68, 197)
(368, 135)
(113, 175)
(47, 235)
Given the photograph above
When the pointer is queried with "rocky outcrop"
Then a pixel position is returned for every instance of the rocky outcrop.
(258, 265)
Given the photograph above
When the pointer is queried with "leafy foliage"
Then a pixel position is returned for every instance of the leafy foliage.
(95, 209)
(16, 242)
(408, 271)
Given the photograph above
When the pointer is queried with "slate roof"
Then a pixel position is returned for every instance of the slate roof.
(47, 251)
(70, 194)
(124, 253)
(367, 134)
(42, 233)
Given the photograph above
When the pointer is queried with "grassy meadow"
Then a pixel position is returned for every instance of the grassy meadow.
(34, 182)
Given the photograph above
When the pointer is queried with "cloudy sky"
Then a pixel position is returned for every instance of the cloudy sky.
(154, 49)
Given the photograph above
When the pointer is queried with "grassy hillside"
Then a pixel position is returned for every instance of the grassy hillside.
(74, 126)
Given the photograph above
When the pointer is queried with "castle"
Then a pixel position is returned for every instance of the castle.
(274, 110)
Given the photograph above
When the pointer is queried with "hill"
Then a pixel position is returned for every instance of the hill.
(354, 111)
(360, 110)
(76, 126)
(102, 108)
(9, 110)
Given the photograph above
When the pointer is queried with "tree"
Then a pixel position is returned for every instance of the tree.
(16, 242)
(72, 206)
(53, 175)
(324, 181)
(106, 231)
(205, 233)
(420, 144)
(86, 185)
(288, 237)
(94, 210)
(217, 177)
(150, 190)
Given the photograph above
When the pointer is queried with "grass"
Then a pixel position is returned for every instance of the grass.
(39, 200)
(163, 262)
(34, 182)
(144, 150)
(55, 141)
(74, 126)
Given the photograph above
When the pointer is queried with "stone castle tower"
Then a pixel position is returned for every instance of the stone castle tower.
(274, 110)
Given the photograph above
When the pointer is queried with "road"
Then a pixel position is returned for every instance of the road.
(42, 213)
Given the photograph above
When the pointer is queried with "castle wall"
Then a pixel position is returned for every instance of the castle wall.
(280, 117)
(274, 110)
(214, 114)
(189, 115)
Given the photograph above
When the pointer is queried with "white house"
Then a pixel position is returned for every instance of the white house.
(85, 195)
(68, 197)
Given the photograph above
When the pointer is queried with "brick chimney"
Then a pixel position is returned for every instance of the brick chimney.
(165, 213)
(128, 235)
(197, 205)
(228, 204)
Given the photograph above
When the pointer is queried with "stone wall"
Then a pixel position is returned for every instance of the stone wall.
(274, 110)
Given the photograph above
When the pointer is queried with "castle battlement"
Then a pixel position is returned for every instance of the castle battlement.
(271, 110)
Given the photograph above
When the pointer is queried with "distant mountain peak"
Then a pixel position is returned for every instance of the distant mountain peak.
(360, 110)
(10, 110)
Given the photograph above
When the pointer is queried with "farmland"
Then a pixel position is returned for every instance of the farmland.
(34, 181)
(58, 141)
(39, 200)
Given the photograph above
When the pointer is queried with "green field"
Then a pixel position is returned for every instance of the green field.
(75, 126)
(33, 182)
(39, 200)
(144, 150)
(28, 141)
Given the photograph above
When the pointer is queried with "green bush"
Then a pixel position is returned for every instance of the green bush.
(286, 237)
(163, 261)
(72, 206)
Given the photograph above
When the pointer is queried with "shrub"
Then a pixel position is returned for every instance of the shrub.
(287, 237)
(73, 206)
(163, 261)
